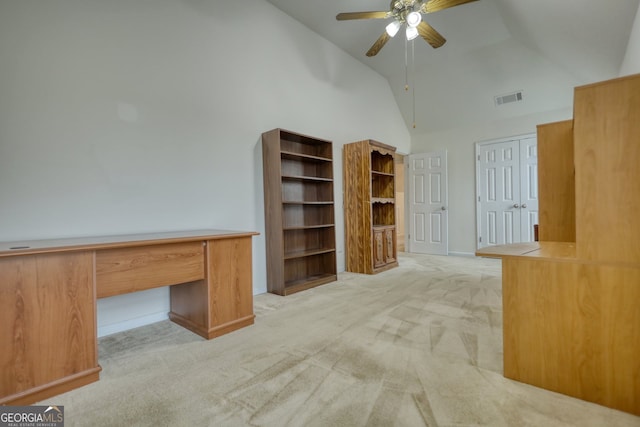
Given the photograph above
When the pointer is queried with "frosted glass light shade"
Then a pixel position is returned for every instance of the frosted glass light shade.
(413, 19)
(392, 28)
(412, 33)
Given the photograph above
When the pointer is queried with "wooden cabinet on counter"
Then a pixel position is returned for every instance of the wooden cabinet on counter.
(556, 183)
(369, 207)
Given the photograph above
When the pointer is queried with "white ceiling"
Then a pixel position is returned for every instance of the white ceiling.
(494, 47)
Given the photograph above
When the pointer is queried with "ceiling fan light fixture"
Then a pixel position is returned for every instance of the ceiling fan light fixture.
(393, 28)
(412, 33)
(413, 19)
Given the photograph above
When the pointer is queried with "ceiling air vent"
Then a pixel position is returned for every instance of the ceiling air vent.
(508, 98)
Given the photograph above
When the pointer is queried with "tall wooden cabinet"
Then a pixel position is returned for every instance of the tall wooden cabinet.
(369, 207)
(299, 211)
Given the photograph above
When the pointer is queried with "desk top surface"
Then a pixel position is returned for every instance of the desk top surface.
(29, 247)
(543, 250)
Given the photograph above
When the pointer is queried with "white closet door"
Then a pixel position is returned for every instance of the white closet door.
(507, 191)
(528, 188)
(499, 193)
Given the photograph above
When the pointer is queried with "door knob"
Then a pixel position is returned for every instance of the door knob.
(516, 205)
(524, 205)
(444, 209)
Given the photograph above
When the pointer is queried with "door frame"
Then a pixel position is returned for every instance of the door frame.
(477, 146)
(400, 167)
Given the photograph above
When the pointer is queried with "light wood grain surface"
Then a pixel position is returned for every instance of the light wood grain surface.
(359, 243)
(556, 182)
(25, 247)
(607, 158)
(573, 328)
(124, 270)
(47, 325)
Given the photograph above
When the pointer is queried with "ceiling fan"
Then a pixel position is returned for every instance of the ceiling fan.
(407, 12)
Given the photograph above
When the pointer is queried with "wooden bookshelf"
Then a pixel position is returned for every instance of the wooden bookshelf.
(299, 211)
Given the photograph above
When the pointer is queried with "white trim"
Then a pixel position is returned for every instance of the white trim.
(463, 254)
(507, 138)
(131, 323)
(407, 217)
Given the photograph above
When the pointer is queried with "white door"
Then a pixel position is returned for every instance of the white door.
(428, 215)
(528, 188)
(499, 193)
(507, 191)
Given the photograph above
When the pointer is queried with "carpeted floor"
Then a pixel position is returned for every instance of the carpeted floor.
(417, 345)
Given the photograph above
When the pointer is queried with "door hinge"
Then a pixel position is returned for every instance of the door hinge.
(480, 239)
(478, 157)
(478, 198)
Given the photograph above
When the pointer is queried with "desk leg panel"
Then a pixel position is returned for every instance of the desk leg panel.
(47, 324)
(223, 301)
(189, 307)
(573, 328)
(229, 272)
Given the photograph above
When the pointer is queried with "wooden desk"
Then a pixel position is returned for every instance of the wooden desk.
(48, 292)
(571, 325)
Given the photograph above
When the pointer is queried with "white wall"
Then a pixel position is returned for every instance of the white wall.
(631, 62)
(130, 116)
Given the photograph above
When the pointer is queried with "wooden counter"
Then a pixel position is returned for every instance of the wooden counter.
(550, 250)
(500, 251)
(48, 292)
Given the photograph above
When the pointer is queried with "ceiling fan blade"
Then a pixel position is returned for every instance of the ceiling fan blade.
(430, 35)
(436, 5)
(379, 44)
(361, 15)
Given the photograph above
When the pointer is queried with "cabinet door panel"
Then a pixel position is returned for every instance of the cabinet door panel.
(390, 245)
(378, 248)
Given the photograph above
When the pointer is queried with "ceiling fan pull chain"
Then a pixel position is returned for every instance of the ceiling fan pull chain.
(406, 65)
(413, 81)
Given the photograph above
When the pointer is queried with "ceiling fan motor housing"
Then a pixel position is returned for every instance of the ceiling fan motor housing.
(401, 10)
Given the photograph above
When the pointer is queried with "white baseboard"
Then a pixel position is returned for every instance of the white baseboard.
(465, 254)
(131, 323)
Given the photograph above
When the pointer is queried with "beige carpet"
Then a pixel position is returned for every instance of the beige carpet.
(417, 345)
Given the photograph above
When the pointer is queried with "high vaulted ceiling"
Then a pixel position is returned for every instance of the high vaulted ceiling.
(494, 47)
